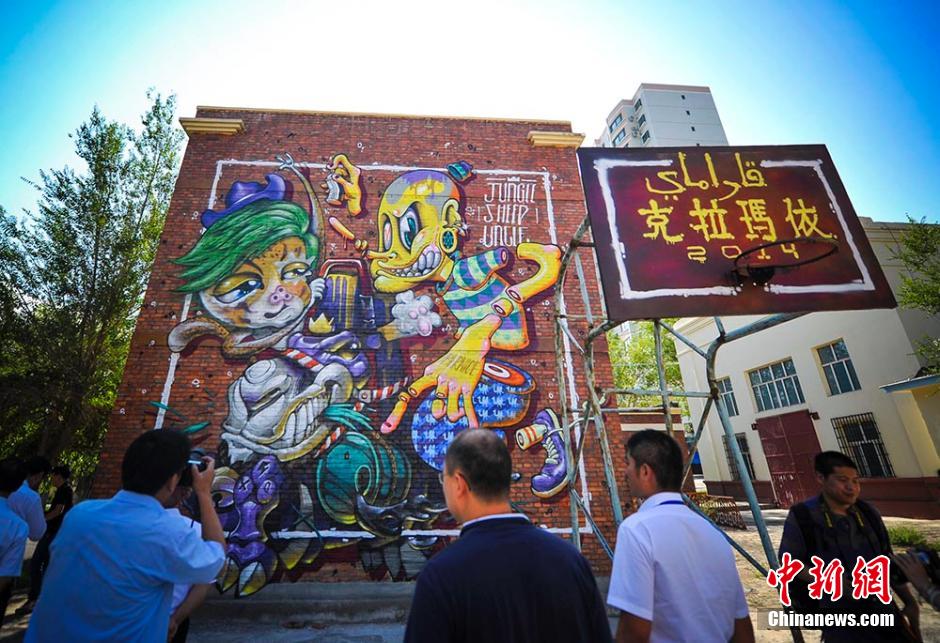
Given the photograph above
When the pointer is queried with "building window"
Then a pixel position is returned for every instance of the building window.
(837, 366)
(727, 396)
(617, 121)
(641, 120)
(859, 438)
(693, 127)
(688, 113)
(776, 386)
(637, 105)
(683, 96)
(741, 439)
(620, 136)
(646, 136)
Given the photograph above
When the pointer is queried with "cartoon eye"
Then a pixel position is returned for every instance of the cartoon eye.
(295, 270)
(408, 227)
(239, 291)
(387, 235)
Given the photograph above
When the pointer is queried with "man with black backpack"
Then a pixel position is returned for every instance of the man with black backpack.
(837, 525)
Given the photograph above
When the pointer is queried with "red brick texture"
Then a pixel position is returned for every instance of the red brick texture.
(384, 147)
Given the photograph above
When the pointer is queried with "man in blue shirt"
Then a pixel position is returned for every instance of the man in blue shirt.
(26, 502)
(504, 579)
(13, 531)
(114, 562)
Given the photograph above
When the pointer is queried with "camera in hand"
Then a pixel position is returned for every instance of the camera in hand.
(195, 460)
(931, 563)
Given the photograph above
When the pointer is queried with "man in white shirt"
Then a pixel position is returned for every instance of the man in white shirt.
(26, 502)
(674, 577)
(114, 562)
(13, 531)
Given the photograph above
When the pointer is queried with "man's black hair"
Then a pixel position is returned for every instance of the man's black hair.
(12, 474)
(37, 464)
(152, 459)
(62, 470)
(483, 460)
(826, 461)
(661, 453)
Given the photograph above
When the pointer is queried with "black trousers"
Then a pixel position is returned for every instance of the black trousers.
(38, 565)
(181, 632)
(5, 593)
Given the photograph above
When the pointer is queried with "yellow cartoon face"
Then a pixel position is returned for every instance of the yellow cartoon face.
(418, 224)
(268, 291)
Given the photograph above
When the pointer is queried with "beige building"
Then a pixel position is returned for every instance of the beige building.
(847, 381)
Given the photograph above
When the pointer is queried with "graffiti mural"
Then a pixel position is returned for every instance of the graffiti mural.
(324, 304)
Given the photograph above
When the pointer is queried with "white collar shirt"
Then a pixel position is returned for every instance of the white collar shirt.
(673, 568)
(28, 505)
(181, 590)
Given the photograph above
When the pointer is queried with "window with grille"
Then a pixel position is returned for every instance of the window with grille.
(641, 121)
(745, 452)
(620, 136)
(860, 439)
(646, 136)
(776, 386)
(837, 366)
(727, 396)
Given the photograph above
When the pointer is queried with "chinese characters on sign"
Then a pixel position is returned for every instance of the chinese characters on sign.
(669, 223)
(709, 222)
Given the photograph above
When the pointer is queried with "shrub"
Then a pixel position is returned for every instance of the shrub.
(906, 536)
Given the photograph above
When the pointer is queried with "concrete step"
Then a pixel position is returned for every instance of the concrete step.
(314, 604)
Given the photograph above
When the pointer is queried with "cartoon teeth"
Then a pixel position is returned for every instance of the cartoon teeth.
(426, 263)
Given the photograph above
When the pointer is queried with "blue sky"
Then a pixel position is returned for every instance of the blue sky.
(860, 77)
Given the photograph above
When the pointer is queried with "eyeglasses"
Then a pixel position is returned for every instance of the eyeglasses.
(440, 478)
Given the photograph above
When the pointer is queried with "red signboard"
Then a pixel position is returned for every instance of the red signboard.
(683, 232)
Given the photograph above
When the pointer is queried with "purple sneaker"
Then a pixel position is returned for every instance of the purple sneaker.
(554, 474)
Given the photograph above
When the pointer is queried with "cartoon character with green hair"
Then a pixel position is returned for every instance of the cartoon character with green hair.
(294, 409)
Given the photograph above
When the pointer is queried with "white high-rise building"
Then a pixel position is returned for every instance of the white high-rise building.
(664, 116)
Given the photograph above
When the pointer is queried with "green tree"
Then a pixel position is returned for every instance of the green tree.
(919, 251)
(634, 364)
(72, 279)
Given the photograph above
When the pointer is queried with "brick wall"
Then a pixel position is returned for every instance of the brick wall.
(321, 496)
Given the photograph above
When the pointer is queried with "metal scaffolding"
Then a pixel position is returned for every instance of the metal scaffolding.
(593, 409)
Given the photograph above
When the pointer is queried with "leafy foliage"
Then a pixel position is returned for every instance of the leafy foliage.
(72, 279)
(919, 251)
(904, 536)
(634, 363)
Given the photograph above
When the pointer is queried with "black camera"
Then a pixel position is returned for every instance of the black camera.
(931, 562)
(195, 459)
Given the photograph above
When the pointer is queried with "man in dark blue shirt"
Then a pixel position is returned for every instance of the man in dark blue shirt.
(504, 579)
(838, 525)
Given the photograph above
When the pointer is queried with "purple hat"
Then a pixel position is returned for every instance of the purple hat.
(244, 192)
